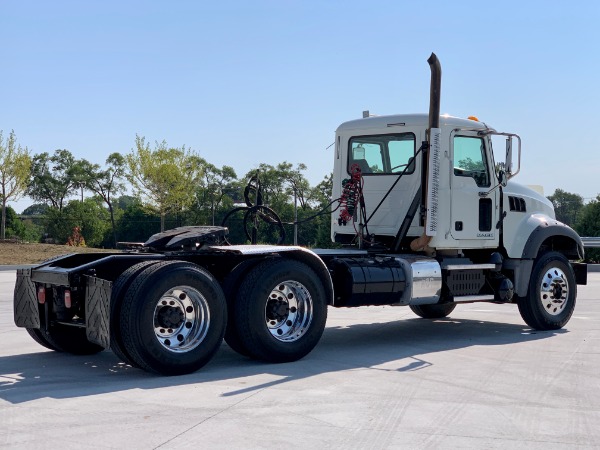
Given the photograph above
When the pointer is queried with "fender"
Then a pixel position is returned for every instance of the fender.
(563, 238)
(529, 236)
(522, 240)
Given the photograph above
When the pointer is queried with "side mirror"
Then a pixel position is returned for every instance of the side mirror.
(508, 154)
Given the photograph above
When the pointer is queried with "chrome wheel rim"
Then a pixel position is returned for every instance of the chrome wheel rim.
(181, 319)
(554, 291)
(288, 311)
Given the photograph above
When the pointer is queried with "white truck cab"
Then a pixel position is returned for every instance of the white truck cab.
(473, 205)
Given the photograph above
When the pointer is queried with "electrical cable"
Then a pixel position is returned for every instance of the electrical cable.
(423, 147)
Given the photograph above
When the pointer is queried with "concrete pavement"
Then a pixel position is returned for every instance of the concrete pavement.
(380, 378)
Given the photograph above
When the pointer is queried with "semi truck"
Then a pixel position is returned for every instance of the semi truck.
(428, 216)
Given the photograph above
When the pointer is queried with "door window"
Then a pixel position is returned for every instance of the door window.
(470, 160)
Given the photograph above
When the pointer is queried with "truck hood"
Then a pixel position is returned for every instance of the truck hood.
(536, 203)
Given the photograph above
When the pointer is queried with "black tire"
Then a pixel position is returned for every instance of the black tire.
(173, 318)
(281, 310)
(65, 339)
(550, 300)
(231, 285)
(118, 291)
(437, 311)
(38, 337)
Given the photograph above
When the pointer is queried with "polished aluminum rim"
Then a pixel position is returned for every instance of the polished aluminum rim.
(181, 319)
(289, 311)
(554, 291)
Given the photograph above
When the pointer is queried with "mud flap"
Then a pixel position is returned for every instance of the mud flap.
(581, 273)
(26, 309)
(97, 310)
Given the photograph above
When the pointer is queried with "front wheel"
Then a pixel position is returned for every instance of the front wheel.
(550, 300)
(281, 310)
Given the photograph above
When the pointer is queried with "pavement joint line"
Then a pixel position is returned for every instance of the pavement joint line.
(208, 418)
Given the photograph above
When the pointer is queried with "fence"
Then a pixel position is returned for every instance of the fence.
(591, 242)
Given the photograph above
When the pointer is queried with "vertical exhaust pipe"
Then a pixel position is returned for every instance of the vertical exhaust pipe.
(435, 91)
(435, 94)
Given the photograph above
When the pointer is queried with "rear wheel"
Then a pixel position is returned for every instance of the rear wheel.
(173, 318)
(118, 291)
(280, 310)
(550, 300)
(230, 288)
(437, 311)
(66, 339)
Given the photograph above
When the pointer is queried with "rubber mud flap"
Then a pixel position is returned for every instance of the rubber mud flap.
(26, 311)
(97, 310)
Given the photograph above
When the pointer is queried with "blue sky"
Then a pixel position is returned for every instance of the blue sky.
(244, 82)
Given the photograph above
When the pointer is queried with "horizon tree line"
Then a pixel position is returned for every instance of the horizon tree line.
(173, 186)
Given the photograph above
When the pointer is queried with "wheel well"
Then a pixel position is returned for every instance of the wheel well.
(317, 264)
(233, 277)
(562, 244)
(556, 237)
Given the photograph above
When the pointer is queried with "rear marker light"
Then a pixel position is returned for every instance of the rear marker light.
(67, 299)
(41, 295)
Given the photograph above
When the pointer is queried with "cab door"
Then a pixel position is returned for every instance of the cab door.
(474, 210)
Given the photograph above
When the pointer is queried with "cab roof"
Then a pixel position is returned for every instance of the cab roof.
(408, 120)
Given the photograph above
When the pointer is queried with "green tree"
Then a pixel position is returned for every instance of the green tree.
(279, 183)
(137, 223)
(213, 189)
(89, 215)
(297, 184)
(37, 209)
(80, 172)
(34, 217)
(52, 178)
(164, 177)
(125, 201)
(106, 183)
(322, 192)
(22, 227)
(14, 226)
(566, 206)
(589, 225)
(15, 164)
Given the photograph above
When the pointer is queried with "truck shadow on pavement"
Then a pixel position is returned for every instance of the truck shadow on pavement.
(399, 346)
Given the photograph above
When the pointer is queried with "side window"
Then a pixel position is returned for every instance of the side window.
(470, 161)
(402, 153)
(383, 154)
(369, 156)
